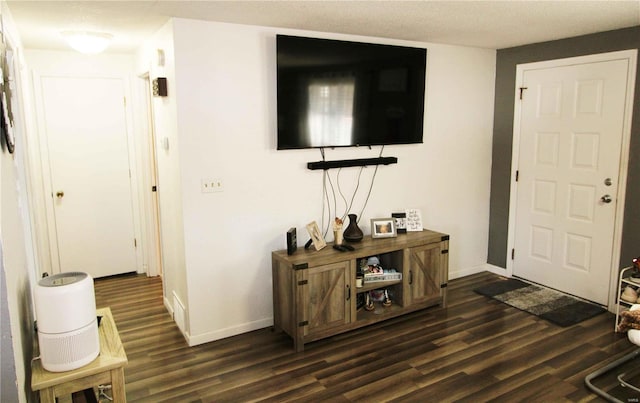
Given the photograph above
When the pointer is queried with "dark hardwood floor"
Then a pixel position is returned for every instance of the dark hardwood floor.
(476, 349)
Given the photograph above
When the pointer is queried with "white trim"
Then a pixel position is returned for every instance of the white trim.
(227, 332)
(631, 57)
(468, 271)
(45, 170)
(496, 270)
(515, 162)
(144, 188)
(37, 200)
(624, 170)
(134, 181)
(147, 175)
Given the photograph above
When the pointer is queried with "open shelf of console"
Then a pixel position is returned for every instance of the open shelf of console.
(379, 284)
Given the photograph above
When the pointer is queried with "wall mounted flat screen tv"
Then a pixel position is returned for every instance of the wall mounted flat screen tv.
(334, 93)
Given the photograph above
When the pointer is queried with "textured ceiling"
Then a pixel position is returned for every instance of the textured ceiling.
(487, 24)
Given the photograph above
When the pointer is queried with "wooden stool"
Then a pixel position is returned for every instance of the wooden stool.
(107, 368)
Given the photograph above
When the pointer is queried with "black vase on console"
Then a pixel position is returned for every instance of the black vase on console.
(353, 233)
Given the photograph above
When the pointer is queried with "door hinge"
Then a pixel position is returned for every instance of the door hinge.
(154, 188)
(303, 282)
(444, 251)
(517, 175)
(513, 254)
(522, 90)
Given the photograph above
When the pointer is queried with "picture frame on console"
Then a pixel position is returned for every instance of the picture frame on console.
(401, 222)
(316, 235)
(414, 220)
(383, 228)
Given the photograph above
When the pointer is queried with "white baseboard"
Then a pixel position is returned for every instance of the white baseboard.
(194, 340)
(497, 270)
(477, 269)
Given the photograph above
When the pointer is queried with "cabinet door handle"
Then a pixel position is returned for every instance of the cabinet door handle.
(410, 276)
(348, 292)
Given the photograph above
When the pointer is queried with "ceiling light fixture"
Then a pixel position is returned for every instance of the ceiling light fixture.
(86, 41)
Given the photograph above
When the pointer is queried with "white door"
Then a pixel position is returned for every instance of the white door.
(86, 133)
(571, 131)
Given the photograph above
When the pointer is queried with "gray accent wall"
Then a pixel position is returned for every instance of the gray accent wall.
(506, 62)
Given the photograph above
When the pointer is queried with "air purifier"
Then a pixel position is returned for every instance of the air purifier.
(66, 321)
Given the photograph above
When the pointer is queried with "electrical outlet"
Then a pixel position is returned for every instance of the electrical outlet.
(211, 185)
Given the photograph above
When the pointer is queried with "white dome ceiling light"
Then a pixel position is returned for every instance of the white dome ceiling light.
(87, 42)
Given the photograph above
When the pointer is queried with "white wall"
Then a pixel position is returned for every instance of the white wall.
(458, 133)
(224, 93)
(16, 240)
(168, 164)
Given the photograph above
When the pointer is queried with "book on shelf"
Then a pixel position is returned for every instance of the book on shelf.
(385, 275)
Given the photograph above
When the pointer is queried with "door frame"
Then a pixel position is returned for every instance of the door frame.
(152, 231)
(631, 57)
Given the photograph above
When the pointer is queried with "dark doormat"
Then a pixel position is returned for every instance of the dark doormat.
(554, 306)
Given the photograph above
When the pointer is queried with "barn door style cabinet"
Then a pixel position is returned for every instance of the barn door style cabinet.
(316, 295)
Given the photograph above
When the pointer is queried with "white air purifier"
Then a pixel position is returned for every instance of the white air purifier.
(66, 320)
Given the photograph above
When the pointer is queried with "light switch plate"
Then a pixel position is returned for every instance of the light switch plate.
(211, 185)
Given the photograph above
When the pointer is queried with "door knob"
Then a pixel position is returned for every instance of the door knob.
(606, 199)
(60, 194)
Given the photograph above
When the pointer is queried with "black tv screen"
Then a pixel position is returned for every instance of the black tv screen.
(334, 93)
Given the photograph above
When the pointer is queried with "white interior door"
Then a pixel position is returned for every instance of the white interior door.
(86, 131)
(570, 144)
